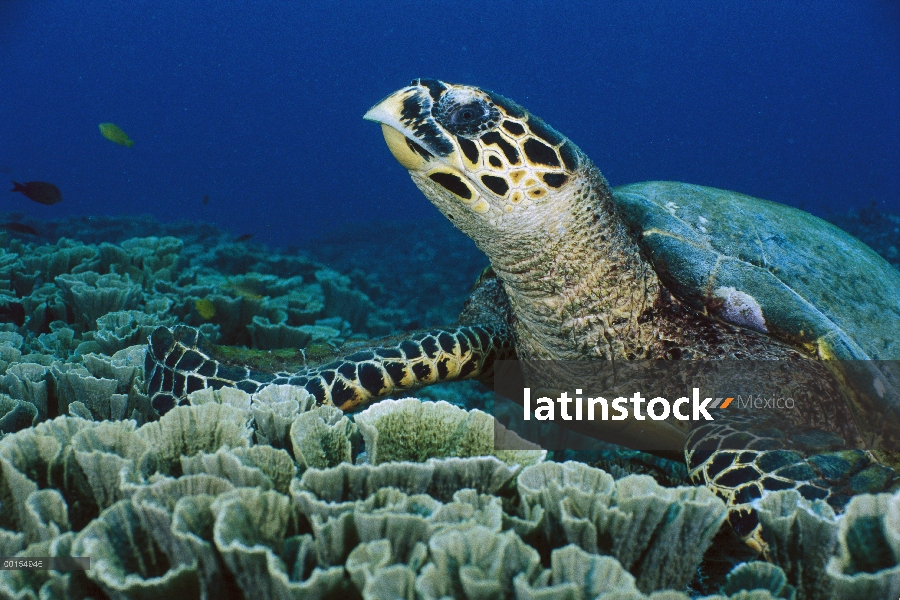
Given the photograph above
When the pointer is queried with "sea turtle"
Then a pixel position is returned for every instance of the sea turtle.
(655, 270)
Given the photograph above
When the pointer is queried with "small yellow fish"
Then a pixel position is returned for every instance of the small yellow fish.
(205, 308)
(112, 132)
(243, 289)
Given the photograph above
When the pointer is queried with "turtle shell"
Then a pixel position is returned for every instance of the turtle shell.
(780, 271)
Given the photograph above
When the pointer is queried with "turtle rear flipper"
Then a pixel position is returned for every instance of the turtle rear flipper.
(744, 457)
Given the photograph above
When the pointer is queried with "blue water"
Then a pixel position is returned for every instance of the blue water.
(258, 104)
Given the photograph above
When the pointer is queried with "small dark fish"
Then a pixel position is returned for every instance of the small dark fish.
(39, 191)
(205, 199)
(245, 237)
(20, 228)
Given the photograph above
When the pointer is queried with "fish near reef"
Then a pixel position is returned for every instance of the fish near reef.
(205, 308)
(113, 133)
(243, 289)
(20, 228)
(39, 191)
(245, 237)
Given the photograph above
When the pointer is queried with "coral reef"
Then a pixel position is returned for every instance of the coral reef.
(265, 495)
(190, 507)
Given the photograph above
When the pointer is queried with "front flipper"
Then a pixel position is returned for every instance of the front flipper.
(179, 362)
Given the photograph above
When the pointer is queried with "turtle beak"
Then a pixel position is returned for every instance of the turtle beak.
(388, 111)
(405, 116)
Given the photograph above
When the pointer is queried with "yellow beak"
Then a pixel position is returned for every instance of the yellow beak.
(387, 113)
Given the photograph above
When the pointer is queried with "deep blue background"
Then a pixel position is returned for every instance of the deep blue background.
(259, 104)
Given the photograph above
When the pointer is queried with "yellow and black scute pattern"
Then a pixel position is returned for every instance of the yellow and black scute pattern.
(179, 362)
(742, 458)
(485, 150)
(514, 155)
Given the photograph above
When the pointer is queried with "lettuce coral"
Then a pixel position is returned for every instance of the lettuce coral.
(91, 296)
(28, 381)
(867, 564)
(659, 534)
(476, 563)
(120, 329)
(322, 438)
(801, 536)
(409, 429)
(259, 535)
(268, 495)
(274, 409)
(189, 505)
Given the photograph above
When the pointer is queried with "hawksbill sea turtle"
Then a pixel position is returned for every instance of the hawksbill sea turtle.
(655, 270)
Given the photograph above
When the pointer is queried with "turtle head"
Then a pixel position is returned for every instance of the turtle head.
(481, 159)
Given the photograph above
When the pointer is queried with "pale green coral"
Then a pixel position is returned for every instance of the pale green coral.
(43, 306)
(440, 479)
(404, 520)
(801, 536)
(233, 397)
(257, 466)
(303, 305)
(144, 260)
(757, 575)
(543, 487)
(16, 415)
(42, 457)
(103, 452)
(867, 564)
(659, 534)
(66, 256)
(380, 574)
(27, 584)
(322, 438)
(126, 368)
(90, 295)
(187, 505)
(120, 329)
(266, 335)
(259, 536)
(189, 430)
(274, 409)
(412, 430)
(130, 560)
(576, 574)
(476, 563)
(342, 301)
(60, 343)
(74, 383)
(28, 381)
(10, 348)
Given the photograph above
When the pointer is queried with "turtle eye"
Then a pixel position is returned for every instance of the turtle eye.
(467, 114)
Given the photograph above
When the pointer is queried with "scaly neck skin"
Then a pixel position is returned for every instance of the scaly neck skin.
(575, 279)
